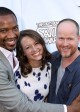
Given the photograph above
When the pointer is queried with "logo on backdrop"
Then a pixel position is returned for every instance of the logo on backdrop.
(48, 31)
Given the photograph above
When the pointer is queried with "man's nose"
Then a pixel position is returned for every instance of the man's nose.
(11, 33)
(65, 42)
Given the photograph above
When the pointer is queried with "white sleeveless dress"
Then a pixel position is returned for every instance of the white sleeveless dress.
(36, 84)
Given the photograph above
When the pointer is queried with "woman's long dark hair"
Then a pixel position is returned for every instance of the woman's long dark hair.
(23, 60)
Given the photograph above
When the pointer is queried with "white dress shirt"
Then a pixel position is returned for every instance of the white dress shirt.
(9, 55)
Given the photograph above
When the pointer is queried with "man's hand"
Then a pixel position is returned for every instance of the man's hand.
(75, 106)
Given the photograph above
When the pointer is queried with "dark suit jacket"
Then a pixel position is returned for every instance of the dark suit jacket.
(69, 88)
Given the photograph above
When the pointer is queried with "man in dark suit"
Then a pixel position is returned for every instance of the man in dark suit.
(65, 81)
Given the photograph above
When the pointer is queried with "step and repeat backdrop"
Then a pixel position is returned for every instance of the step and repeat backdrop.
(43, 15)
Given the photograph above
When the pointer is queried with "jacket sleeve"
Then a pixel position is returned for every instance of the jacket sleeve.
(75, 89)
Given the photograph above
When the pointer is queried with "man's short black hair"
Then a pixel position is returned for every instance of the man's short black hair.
(6, 11)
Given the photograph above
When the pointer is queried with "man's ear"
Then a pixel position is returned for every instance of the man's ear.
(79, 42)
(79, 38)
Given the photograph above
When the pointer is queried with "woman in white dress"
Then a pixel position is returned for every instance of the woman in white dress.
(34, 73)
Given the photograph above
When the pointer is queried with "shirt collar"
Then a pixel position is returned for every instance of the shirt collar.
(6, 52)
